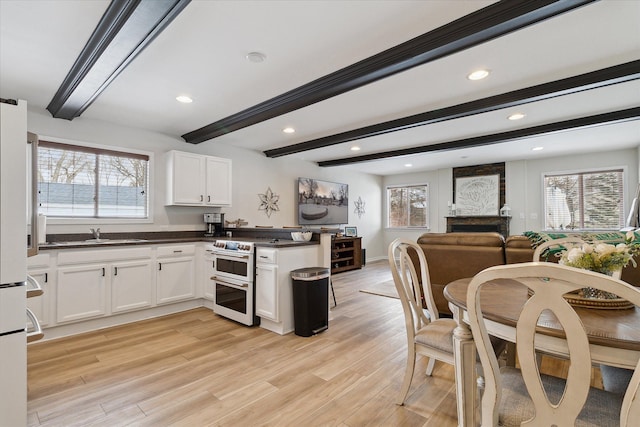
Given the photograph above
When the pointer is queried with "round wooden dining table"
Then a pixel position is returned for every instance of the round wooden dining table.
(614, 334)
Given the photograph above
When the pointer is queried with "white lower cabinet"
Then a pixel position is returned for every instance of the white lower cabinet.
(131, 285)
(267, 294)
(91, 285)
(100, 282)
(175, 274)
(274, 294)
(209, 271)
(82, 292)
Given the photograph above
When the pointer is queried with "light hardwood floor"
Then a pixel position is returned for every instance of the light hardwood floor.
(198, 369)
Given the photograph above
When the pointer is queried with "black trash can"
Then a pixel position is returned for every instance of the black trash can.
(310, 300)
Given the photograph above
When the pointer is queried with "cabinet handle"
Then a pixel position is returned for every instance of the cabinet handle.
(208, 198)
(115, 271)
(103, 272)
(159, 266)
(46, 277)
(201, 197)
(177, 252)
(213, 264)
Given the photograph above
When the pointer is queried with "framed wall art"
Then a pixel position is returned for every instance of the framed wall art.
(478, 195)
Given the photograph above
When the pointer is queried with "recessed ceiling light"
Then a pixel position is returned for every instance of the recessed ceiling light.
(517, 116)
(184, 99)
(407, 165)
(478, 75)
(256, 57)
(355, 148)
(288, 130)
(537, 148)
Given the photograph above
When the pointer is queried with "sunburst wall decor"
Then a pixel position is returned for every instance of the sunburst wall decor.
(269, 202)
(359, 207)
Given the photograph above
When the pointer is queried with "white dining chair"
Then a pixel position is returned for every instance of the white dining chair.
(548, 246)
(427, 334)
(514, 397)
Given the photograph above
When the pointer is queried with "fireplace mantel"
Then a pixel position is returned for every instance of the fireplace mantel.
(499, 224)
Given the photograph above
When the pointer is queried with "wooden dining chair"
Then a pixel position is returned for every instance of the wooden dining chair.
(514, 397)
(427, 334)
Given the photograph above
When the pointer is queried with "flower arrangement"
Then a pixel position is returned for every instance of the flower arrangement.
(601, 257)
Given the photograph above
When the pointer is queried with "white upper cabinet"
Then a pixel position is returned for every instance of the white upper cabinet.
(218, 188)
(197, 180)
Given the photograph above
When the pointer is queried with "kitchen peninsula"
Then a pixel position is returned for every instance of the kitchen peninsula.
(125, 277)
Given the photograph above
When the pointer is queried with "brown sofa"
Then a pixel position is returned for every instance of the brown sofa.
(452, 256)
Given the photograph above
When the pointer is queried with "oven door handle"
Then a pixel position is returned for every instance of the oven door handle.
(231, 255)
(232, 285)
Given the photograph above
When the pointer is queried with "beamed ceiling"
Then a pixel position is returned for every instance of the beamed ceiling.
(389, 77)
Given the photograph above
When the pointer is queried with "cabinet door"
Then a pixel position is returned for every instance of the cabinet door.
(175, 280)
(40, 305)
(188, 175)
(82, 292)
(208, 284)
(131, 285)
(218, 181)
(267, 294)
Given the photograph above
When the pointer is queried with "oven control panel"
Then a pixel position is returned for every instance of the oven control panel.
(228, 245)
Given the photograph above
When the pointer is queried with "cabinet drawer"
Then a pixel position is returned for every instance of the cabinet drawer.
(176, 250)
(268, 256)
(102, 255)
(39, 261)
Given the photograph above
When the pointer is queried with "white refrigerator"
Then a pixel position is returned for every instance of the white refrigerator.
(13, 264)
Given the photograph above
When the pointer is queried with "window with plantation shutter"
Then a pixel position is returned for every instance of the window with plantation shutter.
(407, 206)
(84, 182)
(590, 200)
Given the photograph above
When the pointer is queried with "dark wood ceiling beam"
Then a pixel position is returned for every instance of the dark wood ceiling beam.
(471, 30)
(125, 29)
(605, 77)
(478, 141)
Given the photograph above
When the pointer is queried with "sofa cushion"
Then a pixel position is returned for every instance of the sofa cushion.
(452, 256)
(518, 249)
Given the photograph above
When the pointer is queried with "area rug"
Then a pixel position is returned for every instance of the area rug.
(385, 289)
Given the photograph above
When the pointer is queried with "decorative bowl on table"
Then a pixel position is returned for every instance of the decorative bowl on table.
(301, 236)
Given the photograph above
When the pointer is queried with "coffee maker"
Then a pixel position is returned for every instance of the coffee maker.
(215, 224)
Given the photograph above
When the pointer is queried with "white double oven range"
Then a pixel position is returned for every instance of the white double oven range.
(234, 285)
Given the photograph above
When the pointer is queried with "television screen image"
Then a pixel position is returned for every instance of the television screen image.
(322, 202)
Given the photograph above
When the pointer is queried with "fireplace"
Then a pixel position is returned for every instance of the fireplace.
(477, 224)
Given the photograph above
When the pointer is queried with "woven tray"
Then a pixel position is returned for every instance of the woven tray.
(576, 300)
(606, 304)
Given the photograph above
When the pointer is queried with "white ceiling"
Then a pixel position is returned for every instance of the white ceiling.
(202, 54)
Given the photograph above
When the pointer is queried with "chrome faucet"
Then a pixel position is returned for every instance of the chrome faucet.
(96, 233)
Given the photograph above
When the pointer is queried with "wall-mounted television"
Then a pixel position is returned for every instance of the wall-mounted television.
(322, 202)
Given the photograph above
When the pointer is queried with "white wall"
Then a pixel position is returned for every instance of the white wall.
(523, 188)
(253, 173)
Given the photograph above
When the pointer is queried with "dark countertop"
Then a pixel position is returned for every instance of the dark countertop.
(73, 241)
